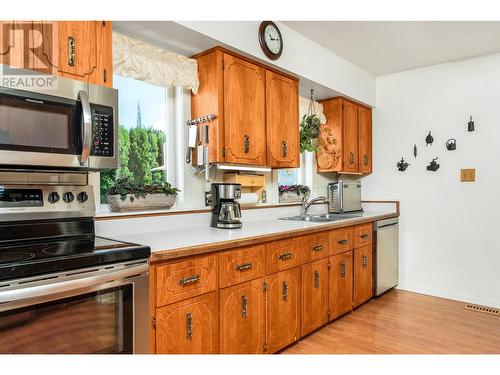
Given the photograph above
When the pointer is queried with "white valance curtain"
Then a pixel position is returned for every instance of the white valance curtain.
(136, 59)
(304, 107)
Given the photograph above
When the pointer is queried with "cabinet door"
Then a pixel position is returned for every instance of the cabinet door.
(282, 121)
(350, 124)
(341, 279)
(243, 318)
(77, 54)
(283, 309)
(329, 156)
(188, 327)
(363, 288)
(314, 295)
(244, 112)
(103, 75)
(17, 43)
(365, 139)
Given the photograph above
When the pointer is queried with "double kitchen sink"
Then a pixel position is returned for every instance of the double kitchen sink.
(323, 217)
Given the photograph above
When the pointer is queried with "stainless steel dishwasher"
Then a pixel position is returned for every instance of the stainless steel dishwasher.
(387, 254)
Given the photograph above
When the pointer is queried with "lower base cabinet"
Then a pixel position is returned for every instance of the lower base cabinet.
(283, 308)
(363, 275)
(188, 327)
(242, 311)
(314, 295)
(341, 279)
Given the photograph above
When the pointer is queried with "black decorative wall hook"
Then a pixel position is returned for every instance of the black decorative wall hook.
(415, 151)
(402, 165)
(433, 166)
(451, 144)
(470, 125)
(429, 139)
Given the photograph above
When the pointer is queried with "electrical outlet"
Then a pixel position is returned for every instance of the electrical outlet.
(468, 175)
(208, 198)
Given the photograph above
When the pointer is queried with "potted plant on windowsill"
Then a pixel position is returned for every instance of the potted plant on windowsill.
(292, 193)
(126, 195)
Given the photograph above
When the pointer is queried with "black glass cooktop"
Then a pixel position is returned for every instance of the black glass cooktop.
(42, 257)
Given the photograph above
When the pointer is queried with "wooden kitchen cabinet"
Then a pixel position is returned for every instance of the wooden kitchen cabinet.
(314, 246)
(282, 255)
(237, 266)
(341, 284)
(283, 306)
(80, 50)
(282, 121)
(188, 326)
(345, 143)
(363, 275)
(363, 235)
(256, 108)
(314, 295)
(341, 240)
(364, 140)
(243, 318)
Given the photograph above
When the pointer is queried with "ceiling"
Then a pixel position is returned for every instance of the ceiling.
(382, 47)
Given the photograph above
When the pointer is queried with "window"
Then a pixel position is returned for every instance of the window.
(142, 133)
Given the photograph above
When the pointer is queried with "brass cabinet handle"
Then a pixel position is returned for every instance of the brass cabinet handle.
(316, 279)
(246, 144)
(283, 149)
(318, 247)
(188, 280)
(285, 291)
(365, 236)
(365, 160)
(351, 158)
(105, 75)
(189, 326)
(365, 261)
(342, 242)
(244, 266)
(285, 256)
(71, 51)
(342, 269)
(244, 304)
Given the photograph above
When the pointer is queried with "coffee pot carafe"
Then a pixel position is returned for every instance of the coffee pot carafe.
(226, 212)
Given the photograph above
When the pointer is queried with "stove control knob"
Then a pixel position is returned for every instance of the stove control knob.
(53, 197)
(68, 197)
(82, 197)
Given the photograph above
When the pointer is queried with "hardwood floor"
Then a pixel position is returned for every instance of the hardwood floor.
(402, 322)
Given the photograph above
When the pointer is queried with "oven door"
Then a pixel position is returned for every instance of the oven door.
(84, 312)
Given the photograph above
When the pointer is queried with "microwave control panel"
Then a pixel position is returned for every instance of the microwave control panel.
(102, 131)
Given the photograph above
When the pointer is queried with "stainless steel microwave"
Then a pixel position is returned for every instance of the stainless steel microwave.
(72, 125)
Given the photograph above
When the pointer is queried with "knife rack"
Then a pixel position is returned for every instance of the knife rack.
(203, 142)
(201, 119)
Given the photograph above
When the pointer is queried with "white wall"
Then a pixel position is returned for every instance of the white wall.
(301, 56)
(450, 231)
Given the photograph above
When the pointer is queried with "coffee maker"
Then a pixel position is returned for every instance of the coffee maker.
(225, 209)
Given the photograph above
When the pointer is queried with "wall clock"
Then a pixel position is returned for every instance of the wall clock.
(270, 40)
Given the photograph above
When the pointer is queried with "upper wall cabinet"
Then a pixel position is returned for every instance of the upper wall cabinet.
(80, 50)
(256, 108)
(345, 144)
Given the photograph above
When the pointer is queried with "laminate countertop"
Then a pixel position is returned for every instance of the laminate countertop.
(177, 243)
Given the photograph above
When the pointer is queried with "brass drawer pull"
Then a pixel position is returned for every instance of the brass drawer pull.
(342, 242)
(285, 256)
(342, 269)
(246, 144)
(317, 248)
(364, 236)
(365, 160)
(183, 281)
(244, 304)
(189, 326)
(351, 158)
(285, 291)
(316, 279)
(71, 51)
(365, 261)
(283, 149)
(244, 267)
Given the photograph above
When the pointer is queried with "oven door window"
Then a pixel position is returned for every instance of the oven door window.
(97, 322)
(41, 124)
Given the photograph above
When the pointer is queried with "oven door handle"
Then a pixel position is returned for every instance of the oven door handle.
(86, 126)
(41, 292)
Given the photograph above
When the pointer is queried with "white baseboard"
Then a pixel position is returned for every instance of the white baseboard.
(447, 295)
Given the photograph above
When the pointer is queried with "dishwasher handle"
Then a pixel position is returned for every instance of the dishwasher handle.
(379, 225)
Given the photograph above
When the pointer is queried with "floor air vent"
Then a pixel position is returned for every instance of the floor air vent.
(483, 309)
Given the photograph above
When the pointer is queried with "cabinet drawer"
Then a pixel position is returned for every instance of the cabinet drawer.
(178, 281)
(282, 255)
(314, 246)
(341, 240)
(363, 235)
(241, 265)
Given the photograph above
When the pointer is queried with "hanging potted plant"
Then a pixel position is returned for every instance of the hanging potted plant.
(126, 195)
(309, 129)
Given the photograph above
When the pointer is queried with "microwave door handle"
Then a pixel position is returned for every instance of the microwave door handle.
(86, 126)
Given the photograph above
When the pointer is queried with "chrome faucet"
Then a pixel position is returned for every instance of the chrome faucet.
(306, 203)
